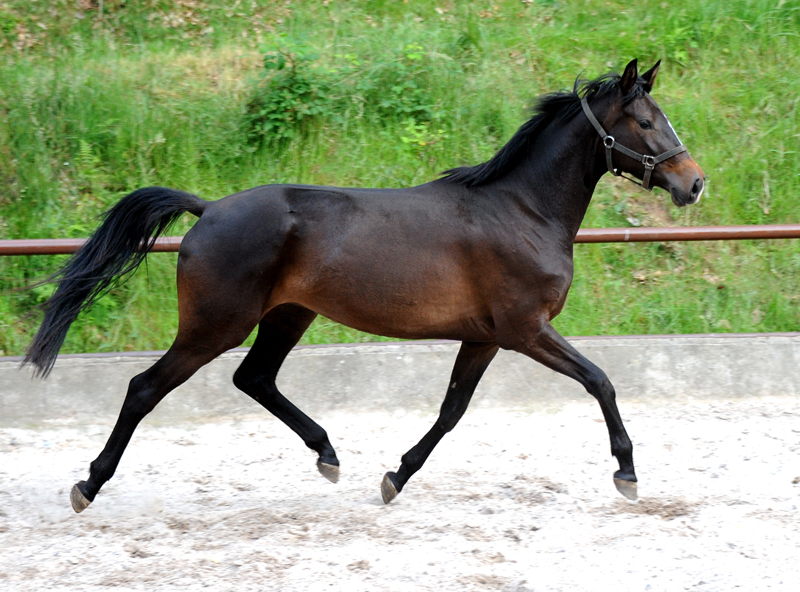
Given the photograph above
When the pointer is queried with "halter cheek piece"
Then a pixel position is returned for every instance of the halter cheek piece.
(610, 143)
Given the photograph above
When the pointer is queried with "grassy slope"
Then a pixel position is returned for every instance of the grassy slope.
(93, 106)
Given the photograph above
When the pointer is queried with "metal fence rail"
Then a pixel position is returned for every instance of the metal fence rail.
(691, 233)
(63, 246)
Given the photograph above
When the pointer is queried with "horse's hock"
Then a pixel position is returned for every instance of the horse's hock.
(411, 377)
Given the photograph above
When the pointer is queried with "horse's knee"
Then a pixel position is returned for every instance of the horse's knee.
(600, 387)
(447, 425)
(452, 411)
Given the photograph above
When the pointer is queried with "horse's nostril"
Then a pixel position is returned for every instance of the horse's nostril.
(697, 187)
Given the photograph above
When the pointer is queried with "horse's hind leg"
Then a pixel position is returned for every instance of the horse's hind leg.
(552, 350)
(471, 363)
(206, 330)
(278, 333)
(145, 391)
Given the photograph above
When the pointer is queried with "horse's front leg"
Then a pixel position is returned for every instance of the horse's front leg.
(471, 363)
(552, 350)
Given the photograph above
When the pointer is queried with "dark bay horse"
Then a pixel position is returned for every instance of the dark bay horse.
(482, 255)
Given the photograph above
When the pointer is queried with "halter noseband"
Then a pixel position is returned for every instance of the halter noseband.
(610, 143)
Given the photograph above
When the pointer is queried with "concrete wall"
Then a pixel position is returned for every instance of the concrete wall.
(410, 377)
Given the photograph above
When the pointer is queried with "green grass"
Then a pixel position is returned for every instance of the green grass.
(94, 106)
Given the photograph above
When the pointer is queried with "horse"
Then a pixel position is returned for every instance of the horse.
(482, 255)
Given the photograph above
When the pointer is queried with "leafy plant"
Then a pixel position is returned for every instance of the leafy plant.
(292, 95)
(421, 138)
(399, 87)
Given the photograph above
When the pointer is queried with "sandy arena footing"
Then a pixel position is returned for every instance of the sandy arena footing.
(510, 501)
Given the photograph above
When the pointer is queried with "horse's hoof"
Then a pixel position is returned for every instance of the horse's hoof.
(627, 488)
(388, 488)
(330, 472)
(78, 500)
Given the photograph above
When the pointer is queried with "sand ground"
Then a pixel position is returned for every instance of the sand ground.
(509, 501)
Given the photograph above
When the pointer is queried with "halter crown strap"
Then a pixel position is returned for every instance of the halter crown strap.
(611, 144)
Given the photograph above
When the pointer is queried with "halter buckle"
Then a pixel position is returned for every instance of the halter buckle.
(609, 141)
(649, 162)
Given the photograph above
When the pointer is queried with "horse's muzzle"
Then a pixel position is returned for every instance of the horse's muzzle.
(683, 198)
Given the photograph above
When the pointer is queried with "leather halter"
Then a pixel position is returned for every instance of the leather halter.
(610, 144)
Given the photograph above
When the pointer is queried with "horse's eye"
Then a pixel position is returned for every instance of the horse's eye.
(645, 124)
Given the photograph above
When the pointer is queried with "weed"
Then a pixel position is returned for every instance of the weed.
(292, 95)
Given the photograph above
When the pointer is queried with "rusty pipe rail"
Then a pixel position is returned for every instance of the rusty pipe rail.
(686, 233)
(63, 246)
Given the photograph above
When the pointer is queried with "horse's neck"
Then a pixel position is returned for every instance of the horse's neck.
(556, 181)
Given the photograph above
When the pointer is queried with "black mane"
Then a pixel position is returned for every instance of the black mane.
(553, 107)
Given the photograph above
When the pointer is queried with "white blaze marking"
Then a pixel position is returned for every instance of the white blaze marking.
(669, 123)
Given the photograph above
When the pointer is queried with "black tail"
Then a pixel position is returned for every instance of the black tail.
(117, 248)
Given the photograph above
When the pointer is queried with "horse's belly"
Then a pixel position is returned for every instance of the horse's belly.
(401, 310)
(401, 280)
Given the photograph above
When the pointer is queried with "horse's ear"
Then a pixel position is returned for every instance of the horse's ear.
(650, 77)
(629, 78)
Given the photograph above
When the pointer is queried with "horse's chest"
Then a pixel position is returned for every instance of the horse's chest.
(549, 273)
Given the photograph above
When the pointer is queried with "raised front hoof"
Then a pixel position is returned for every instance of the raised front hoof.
(627, 488)
(389, 488)
(330, 472)
(77, 499)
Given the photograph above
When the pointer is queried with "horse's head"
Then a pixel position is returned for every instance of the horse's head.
(639, 140)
